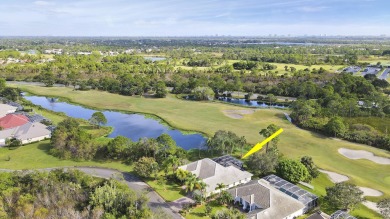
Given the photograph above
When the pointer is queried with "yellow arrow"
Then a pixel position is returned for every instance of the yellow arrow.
(260, 145)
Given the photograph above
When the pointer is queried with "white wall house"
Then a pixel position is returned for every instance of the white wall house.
(212, 173)
(6, 109)
(262, 201)
(27, 133)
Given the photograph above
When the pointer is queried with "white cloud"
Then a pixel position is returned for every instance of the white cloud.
(312, 8)
(43, 3)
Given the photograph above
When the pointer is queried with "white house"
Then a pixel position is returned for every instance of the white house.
(212, 173)
(7, 109)
(27, 133)
(262, 201)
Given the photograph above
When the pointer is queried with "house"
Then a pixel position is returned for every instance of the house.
(13, 120)
(212, 173)
(7, 109)
(341, 215)
(308, 199)
(27, 133)
(262, 201)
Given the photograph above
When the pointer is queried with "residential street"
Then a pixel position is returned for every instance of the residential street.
(155, 201)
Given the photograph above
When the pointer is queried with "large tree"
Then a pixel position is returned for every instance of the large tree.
(344, 195)
(118, 147)
(69, 141)
(146, 167)
(292, 170)
(336, 127)
(384, 208)
(311, 167)
(264, 163)
(98, 119)
(224, 142)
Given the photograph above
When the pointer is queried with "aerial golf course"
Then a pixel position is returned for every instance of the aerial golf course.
(208, 117)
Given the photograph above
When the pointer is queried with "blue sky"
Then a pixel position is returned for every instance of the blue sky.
(193, 17)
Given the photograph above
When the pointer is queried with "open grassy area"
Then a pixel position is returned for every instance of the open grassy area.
(170, 191)
(208, 117)
(199, 212)
(36, 156)
(380, 124)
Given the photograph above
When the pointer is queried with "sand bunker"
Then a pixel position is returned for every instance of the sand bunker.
(335, 177)
(371, 205)
(370, 192)
(360, 154)
(238, 114)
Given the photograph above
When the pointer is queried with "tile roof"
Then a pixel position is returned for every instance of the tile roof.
(13, 120)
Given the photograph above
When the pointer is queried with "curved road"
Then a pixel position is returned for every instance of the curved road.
(155, 201)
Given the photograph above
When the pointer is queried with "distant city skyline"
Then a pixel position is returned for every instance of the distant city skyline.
(194, 18)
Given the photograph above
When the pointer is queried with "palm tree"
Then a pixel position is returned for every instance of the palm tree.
(268, 132)
(201, 186)
(190, 182)
(182, 174)
(220, 186)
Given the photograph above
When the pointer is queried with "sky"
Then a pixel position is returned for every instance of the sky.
(193, 17)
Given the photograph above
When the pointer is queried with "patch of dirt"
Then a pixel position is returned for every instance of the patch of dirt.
(335, 177)
(238, 114)
(361, 154)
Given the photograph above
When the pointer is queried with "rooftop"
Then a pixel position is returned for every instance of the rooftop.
(13, 120)
(213, 173)
(290, 189)
(271, 203)
(228, 160)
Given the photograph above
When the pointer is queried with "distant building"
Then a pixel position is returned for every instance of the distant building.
(13, 120)
(27, 133)
(7, 109)
(212, 173)
(260, 200)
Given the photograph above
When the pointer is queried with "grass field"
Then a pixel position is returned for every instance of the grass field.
(380, 124)
(208, 117)
(36, 156)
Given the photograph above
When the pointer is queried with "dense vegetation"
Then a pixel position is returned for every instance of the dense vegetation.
(67, 194)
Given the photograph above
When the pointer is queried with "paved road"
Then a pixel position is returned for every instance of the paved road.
(155, 201)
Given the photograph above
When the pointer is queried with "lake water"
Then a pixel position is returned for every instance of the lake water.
(133, 126)
(154, 58)
(252, 103)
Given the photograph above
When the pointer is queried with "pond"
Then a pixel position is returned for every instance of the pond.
(252, 103)
(154, 58)
(133, 126)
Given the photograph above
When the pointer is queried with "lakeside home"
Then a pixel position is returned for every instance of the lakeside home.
(212, 173)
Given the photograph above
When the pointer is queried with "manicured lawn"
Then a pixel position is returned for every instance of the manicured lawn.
(170, 191)
(319, 183)
(35, 156)
(198, 212)
(208, 117)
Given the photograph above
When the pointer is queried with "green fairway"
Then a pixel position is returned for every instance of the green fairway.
(208, 117)
(35, 156)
